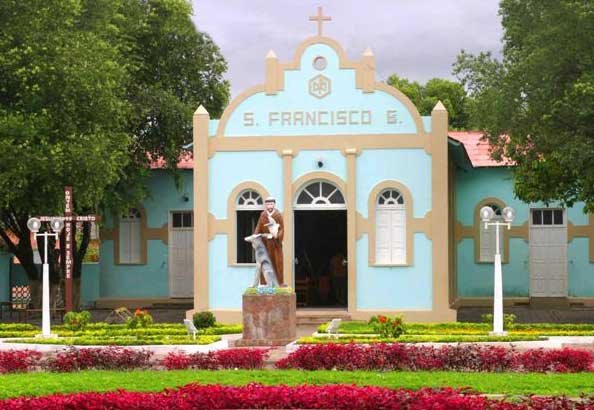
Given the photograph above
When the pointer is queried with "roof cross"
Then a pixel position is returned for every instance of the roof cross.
(320, 18)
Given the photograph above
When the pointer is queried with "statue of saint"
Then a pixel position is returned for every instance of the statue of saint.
(271, 226)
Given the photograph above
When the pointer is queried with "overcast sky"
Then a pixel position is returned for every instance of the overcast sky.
(417, 39)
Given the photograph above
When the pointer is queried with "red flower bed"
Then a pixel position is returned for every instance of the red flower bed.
(105, 358)
(470, 357)
(283, 397)
(221, 359)
(18, 360)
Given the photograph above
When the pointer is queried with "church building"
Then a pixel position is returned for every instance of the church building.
(380, 207)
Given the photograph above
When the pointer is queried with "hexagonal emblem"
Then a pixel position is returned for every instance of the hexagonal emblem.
(320, 86)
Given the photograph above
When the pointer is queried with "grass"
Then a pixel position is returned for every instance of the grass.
(35, 384)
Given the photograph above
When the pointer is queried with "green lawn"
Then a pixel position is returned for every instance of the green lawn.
(152, 380)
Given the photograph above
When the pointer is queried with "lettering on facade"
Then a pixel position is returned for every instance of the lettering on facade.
(320, 118)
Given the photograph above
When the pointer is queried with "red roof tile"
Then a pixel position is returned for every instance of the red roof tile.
(479, 151)
(186, 161)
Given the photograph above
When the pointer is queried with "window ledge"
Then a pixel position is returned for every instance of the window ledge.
(242, 265)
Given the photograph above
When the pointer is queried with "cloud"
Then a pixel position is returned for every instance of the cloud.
(415, 39)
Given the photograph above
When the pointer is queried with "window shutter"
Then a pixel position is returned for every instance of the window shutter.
(382, 236)
(398, 236)
(135, 241)
(130, 240)
(487, 243)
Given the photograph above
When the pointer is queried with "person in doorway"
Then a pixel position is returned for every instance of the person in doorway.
(338, 272)
(271, 226)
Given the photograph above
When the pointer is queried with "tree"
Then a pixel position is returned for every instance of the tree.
(424, 97)
(90, 92)
(536, 105)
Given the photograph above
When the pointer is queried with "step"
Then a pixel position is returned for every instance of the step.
(317, 317)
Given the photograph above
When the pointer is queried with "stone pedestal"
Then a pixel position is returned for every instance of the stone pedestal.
(269, 320)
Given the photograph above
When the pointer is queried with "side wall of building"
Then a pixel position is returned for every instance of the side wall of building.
(478, 186)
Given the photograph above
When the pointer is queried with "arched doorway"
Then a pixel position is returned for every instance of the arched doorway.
(320, 224)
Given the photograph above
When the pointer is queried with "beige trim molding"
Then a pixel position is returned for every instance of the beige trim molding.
(200, 123)
(296, 143)
(351, 198)
(288, 240)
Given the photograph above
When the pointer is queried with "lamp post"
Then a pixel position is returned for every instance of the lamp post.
(487, 214)
(34, 224)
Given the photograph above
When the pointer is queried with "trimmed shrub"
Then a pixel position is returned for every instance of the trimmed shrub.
(470, 357)
(220, 359)
(194, 396)
(12, 361)
(203, 320)
(105, 358)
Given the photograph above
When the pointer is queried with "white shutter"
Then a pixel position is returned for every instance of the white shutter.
(487, 242)
(382, 236)
(135, 241)
(398, 236)
(130, 240)
(124, 242)
(390, 236)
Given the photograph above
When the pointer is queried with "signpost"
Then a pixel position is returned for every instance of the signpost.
(69, 220)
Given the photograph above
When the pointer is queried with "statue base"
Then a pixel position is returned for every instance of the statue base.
(269, 320)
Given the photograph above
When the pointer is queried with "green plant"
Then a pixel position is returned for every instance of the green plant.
(141, 318)
(203, 320)
(508, 319)
(77, 320)
(388, 326)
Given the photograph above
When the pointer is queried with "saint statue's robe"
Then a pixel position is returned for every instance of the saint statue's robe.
(274, 246)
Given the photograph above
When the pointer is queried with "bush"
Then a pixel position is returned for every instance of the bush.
(141, 318)
(337, 396)
(76, 321)
(220, 359)
(470, 357)
(19, 360)
(104, 358)
(509, 319)
(203, 320)
(387, 326)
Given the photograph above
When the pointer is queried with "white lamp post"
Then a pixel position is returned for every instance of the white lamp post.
(34, 224)
(487, 214)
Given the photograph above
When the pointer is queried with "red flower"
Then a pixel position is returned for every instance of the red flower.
(382, 319)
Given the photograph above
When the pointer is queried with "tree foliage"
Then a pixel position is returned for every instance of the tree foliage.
(90, 92)
(536, 105)
(424, 97)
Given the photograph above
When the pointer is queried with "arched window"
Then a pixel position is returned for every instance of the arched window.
(487, 237)
(248, 207)
(390, 228)
(130, 237)
(320, 194)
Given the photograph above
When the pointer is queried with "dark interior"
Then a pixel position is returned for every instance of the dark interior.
(320, 258)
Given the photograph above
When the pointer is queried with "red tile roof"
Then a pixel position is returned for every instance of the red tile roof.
(479, 151)
(186, 161)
